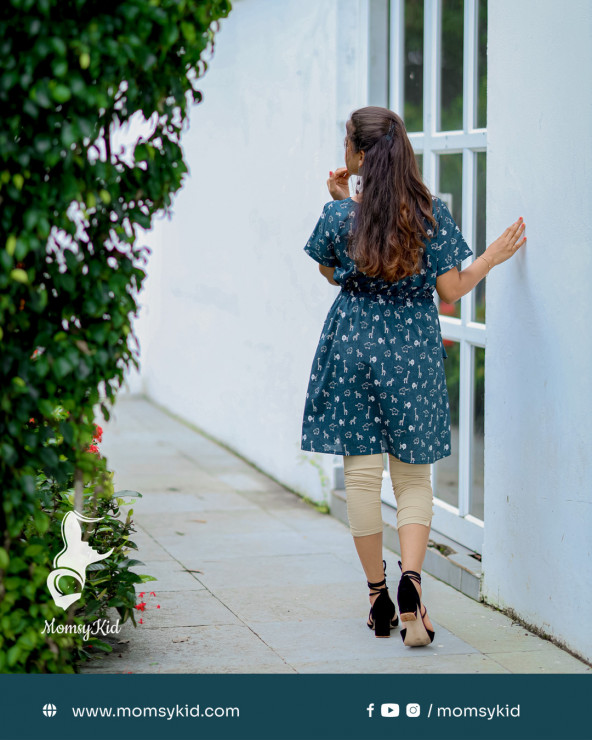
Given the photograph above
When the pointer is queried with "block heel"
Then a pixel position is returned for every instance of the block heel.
(383, 614)
(415, 633)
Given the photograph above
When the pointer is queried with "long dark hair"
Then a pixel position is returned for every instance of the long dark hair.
(390, 221)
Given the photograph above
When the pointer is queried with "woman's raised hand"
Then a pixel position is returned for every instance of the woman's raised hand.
(506, 245)
(338, 183)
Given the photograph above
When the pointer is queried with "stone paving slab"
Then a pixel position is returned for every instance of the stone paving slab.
(253, 579)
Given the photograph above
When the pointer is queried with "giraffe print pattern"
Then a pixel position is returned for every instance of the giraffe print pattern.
(377, 381)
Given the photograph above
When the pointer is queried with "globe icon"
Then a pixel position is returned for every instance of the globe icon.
(49, 710)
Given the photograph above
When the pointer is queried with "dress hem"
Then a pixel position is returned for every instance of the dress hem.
(381, 451)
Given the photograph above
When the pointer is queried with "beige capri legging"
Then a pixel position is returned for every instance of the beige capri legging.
(363, 480)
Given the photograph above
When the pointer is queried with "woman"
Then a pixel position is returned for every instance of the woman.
(377, 381)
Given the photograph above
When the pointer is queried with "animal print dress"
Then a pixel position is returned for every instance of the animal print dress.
(377, 381)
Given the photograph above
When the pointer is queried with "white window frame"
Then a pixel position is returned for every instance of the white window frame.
(456, 522)
(453, 521)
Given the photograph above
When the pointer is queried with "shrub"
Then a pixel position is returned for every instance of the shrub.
(71, 73)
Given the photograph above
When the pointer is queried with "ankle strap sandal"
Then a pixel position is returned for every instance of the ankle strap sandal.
(383, 614)
(409, 600)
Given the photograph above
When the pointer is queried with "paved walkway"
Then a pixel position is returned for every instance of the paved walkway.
(251, 579)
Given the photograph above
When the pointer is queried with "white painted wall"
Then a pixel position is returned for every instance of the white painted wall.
(538, 424)
(233, 307)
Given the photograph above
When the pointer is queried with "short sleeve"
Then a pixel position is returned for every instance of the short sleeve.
(320, 244)
(452, 247)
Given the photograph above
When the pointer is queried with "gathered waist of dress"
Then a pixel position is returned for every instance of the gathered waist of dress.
(419, 298)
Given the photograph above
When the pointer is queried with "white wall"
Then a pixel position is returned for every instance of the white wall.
(538, 424)
(234, 307)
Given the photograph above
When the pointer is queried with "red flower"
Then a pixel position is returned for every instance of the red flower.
(31, 420)
(98, 436)
(152, 593)
(92, 448)
(141, 606)
(141, 594)
(158, 606)
(141, 621)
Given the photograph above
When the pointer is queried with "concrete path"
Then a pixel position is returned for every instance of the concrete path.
(252, 579)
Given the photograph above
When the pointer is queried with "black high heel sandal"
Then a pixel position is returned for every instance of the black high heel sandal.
(383, 614)
(409, 600)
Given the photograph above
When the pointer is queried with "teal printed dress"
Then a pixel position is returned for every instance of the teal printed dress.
(377, 382)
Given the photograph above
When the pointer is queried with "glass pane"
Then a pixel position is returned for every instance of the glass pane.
(450, 190)
(419, 160)
(413, 92)
(481, 114)
(446, 469)
(451, 66)
(477, 446)
(479, 248)
(378, 36)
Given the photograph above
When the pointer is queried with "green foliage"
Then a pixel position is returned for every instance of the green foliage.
(72, 72)
(24, 646)
(109, 582)
(452, 369)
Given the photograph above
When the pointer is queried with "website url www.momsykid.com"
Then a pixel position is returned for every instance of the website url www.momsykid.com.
(169, 713)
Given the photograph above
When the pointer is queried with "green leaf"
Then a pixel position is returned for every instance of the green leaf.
(61, 367)
(13, 655)
(41, 522)
(46, 407)
(130, 562)
(40, 96)
(19, 275)
(42, 143)
(61, 93)
(33, 550)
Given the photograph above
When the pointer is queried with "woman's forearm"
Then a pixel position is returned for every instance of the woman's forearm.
(469, 277)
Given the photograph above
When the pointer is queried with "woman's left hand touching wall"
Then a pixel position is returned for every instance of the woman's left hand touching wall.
(338, 183)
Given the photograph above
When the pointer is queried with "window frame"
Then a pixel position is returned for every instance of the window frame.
(453, 521)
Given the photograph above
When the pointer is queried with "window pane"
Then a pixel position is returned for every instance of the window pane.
(479, 248)
(481, 115)
(378, 32)
(450, 190)
(413, 93)
(446, 469)
(477, 446)
(419, 160)
(451, 66)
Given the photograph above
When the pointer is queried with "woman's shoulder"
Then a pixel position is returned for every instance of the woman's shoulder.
(338, 212)
(340, 204)
(437, 204)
